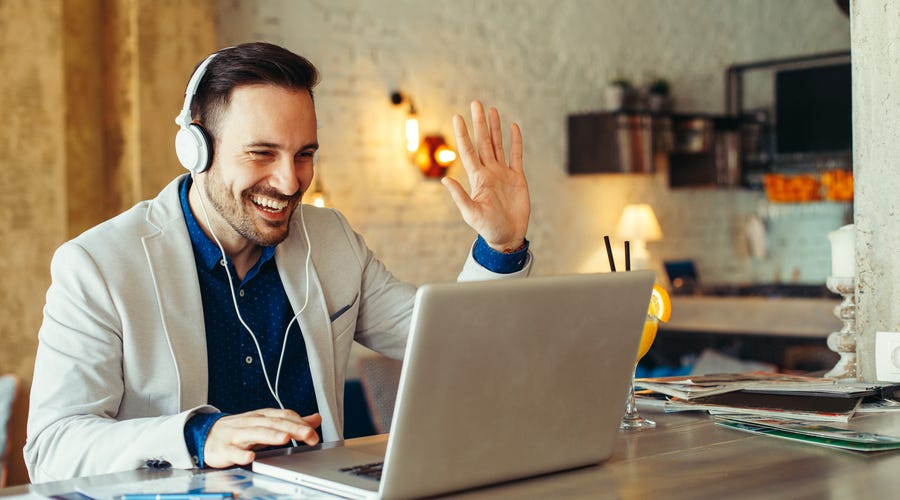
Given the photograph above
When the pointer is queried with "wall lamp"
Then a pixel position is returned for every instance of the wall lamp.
(431, 153)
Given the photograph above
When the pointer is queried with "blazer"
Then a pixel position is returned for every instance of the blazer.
(121, 361)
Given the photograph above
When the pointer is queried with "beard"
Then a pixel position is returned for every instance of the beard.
(244, 220)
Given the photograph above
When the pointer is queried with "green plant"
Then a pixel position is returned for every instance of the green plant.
(622, 82)
(659, 86)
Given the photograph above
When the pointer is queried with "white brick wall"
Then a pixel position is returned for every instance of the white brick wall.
(537, 61)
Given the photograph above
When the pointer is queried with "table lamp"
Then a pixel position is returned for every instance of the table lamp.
(638, 224)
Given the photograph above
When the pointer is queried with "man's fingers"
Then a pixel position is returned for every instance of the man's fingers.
(515, 150)
(313, 420)
(496, 135)
(466, 149)
(460, 197)
(482, 133)
(257, 428)
(233, 438)
(274, 413)
(240, 456)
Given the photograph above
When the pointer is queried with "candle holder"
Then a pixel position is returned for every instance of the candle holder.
(844, 341)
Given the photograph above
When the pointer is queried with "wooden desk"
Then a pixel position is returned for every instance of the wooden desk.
(687, 456)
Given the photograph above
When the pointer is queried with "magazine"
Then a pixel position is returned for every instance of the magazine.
(675, 405)
(696, 386)
(822, 435)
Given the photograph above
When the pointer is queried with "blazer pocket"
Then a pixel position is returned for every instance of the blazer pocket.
(340, 320)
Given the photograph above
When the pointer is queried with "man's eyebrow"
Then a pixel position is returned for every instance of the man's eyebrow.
(272, 145)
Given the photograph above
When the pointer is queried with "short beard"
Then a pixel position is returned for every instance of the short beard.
(235, 215)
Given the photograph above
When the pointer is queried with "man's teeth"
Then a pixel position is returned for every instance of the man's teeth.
(271, 204)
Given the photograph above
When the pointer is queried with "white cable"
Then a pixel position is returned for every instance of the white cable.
(273, 392)
(305, 300)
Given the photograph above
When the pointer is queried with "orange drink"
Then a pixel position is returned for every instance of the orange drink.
(651, 325)
(660, 309)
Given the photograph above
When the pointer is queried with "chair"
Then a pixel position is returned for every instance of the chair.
(380, 377)
(9, 385)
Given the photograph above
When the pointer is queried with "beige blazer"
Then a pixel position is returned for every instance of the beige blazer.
(121, 363)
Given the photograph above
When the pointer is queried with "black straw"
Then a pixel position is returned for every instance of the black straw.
(612, 262)
(627, 255)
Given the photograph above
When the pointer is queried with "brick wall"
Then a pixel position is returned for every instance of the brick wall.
(537, 64)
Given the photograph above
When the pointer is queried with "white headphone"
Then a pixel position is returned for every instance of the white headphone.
(192, 144)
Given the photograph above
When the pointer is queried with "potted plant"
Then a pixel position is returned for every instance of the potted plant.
(658, 99)
(617, 93)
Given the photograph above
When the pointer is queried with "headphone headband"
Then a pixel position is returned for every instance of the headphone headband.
(184, 118)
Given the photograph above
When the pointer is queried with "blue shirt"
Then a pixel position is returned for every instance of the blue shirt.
(236, 380)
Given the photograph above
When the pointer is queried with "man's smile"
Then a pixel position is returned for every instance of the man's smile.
(269, 204)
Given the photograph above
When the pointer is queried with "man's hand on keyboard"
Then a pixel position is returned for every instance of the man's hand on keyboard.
(233, 439)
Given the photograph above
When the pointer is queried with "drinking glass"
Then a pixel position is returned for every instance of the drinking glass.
(632, 421)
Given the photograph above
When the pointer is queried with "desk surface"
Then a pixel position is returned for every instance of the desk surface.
(687, 456)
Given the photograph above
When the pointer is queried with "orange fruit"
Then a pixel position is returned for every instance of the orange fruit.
(648, 336)
(660, 304)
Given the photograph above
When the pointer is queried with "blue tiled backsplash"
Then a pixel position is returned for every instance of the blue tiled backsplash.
(794, 250)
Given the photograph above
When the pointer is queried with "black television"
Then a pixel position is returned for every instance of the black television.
(813, 110)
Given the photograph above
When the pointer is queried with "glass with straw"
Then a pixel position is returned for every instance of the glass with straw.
(632, 421)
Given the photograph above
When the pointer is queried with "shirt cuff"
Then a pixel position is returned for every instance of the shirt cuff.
(499, 262)
(196, 429)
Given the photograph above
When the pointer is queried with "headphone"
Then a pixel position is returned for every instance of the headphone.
(192, 143)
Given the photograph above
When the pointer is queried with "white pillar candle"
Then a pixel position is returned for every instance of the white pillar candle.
(843, 252)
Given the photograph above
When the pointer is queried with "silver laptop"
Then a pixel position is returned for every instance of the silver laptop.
(502, 380)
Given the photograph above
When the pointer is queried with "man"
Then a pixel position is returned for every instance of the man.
(217, 318)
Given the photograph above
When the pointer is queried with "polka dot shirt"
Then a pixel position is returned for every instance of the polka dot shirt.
(237, 382)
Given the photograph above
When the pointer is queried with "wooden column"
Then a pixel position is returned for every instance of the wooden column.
(89, 95)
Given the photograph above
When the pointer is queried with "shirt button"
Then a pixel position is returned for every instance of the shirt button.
(223, 263)
(248, 360)
(241, 293)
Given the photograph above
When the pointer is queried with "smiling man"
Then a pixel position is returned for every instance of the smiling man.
(217, 318)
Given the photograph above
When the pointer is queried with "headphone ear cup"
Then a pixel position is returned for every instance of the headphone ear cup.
(193, 148)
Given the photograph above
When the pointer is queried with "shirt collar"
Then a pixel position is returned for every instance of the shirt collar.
(206, 249)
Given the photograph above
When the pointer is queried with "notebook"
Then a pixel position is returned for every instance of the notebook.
(501, 380)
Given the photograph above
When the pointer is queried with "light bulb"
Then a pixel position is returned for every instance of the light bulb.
(318, 199)
(412, 134)
(444, 156)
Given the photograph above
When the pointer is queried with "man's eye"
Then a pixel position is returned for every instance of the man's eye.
(261, 155)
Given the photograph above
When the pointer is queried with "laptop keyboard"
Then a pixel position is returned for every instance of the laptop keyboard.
(371, 471)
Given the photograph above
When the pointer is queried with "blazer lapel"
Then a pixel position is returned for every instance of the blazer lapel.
(317, 336)
(170, 256)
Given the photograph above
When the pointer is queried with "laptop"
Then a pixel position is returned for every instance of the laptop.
(501, 380)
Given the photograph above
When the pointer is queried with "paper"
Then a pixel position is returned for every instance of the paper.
(244, 484)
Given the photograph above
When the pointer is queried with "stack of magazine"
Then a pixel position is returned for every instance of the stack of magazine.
(780, 405)
(769, 394)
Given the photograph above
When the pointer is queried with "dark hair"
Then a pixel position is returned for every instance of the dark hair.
(248, 64)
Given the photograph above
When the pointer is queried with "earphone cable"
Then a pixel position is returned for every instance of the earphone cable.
(305, 300)
(234, 298)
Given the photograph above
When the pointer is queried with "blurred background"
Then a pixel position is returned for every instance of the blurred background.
(92, 88)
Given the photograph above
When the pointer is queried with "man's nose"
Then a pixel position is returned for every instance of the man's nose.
(284, 177)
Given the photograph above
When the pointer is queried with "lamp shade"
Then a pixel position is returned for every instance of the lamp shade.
(638, 222)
